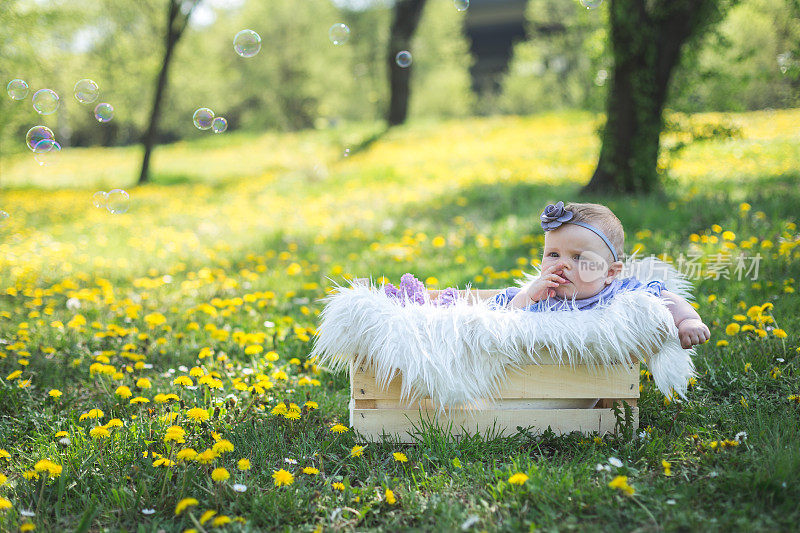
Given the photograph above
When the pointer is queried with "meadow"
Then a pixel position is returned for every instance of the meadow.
(154, 369)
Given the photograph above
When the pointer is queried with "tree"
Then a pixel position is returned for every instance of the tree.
(647, 37)
(178, 13)
(404, 23)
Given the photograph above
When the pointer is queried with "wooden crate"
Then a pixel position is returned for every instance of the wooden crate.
(546, 395)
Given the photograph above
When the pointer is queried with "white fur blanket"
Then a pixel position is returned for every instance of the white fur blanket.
(460, 354)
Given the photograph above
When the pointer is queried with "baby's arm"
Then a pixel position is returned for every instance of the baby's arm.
(691, 329)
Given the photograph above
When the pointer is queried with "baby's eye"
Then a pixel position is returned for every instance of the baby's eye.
(576, 257)
(553, 254)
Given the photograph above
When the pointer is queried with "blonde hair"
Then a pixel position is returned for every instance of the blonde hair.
(604, 219)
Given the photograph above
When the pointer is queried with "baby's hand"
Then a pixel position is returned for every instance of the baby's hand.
(542, 287)
(692, 331)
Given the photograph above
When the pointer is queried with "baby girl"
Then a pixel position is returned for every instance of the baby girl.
(580, 270)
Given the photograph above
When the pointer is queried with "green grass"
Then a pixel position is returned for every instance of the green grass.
(247, 216)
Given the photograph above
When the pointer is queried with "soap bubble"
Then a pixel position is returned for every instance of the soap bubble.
(339, 33)
(46, 151)
(118, 201)
(346, 152)
(461, 5)
(100, 199)
(45, 101)
(247, 43)
(591, 4)
(3, 218)
(86, 91)
(37, 134)
(203, 118)
(219, 124)
(104, 112)
(403, 59)
(17, 89)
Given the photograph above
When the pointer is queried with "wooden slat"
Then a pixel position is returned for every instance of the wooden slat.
(512, 403)
(371, 423)
(532, 381)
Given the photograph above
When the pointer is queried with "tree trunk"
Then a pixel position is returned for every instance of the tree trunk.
(404, 24)
(176, 24)
(646, 39)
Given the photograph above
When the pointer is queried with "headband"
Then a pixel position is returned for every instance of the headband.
(555, 215)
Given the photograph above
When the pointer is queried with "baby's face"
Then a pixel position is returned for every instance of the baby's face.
(584, 257)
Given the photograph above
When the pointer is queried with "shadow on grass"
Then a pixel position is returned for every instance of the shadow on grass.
(776, 195)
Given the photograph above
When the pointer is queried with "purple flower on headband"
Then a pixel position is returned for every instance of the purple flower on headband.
(555, 215)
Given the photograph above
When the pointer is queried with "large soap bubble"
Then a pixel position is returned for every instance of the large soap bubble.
(46, 151)
(38, 134)
(219, 124)
(339, 33)
(104, 112)
(100, 199)
(203, 118)
(17, 89)
(117, 201)
(45, 101)
(247, 43)
(86, 91)
(403, 59)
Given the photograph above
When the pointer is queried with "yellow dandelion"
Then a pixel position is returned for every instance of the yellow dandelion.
(338, 486)
(339, 428)
(390, 499)
(143, 383)
(220, 474)
(518, 479)
(139, 400)
(183, 381)
(206, 516)
(667, 468)
(357, 451)
(197, 414)
(310, 470)
(732, 328)
(282, 477)
(206, 456)
(222, 446)
(778, 332)
(4, 504)
(221, 521)
(99, 432)
(187, 454)
(55, 393)
(243, 464)
(123, 392)
(92, 414)
(184, 503)
(400, 457)
(621, 483)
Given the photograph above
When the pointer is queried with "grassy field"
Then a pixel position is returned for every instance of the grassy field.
(144, 357)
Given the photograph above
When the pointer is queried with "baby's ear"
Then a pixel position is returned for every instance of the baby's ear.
(614, 270)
